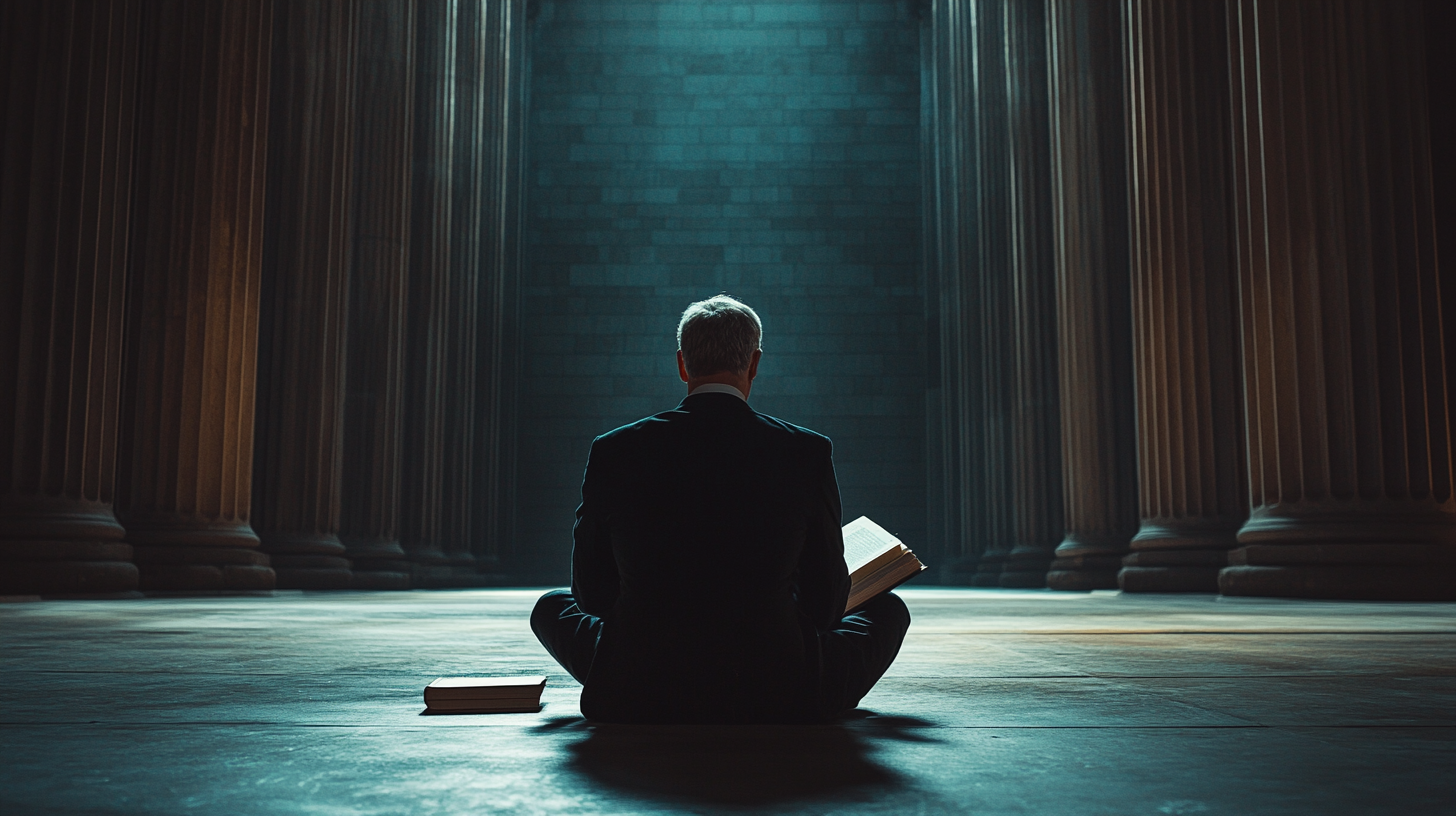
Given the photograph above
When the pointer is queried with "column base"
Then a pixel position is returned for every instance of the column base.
(1084, 572)
(131, 595)
(1172, 571)
(461, 558)
(449, 577)
(378, 563)
(307, 561)
(989, 567)
(1026, 568)
(1022, 580)
(1168, 579)
(380, 579)
(958, 572)
(57, 546)
(1399, 571)
(1397, 531)
(1177, 556)
(1085, 561)
(187, 577)
(171, 568)
(313, 572)
(1345, 582)
(53, 568)
(1081, 581)
(430, 568)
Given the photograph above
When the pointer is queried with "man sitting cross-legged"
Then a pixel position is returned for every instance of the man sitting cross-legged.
(708, 575)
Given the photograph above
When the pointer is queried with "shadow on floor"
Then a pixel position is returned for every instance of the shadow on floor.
(748, 766)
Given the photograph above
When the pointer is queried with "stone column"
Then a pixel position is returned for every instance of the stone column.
(1036, 498)
(991, 288)
(942, 540)
(378, 290)
(1094, 306)
(298, 470)
(1439, 22)
(429, 290)
(954, 410)
(184, 486)
(1344, 376)
(1190, 435)
(69, 80)
(470, 184)
(502, 35)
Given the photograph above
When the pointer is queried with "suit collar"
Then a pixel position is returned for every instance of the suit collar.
(718, 388)
(714, 402)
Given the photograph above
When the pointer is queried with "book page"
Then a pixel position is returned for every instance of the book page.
(487, 682)
(863, 541)
(887, 577)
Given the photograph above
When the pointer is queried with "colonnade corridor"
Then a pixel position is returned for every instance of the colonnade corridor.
(1002, 701)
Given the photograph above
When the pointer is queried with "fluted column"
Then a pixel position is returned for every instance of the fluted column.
(1036, 500)
(425, 436)
(1094, 309)
(992, 289)
(502, 33)
(184, 482)
(68, 78)
(374, 382)
(1190, 436)
(954, 410)
(1439, 22)
(942, 542)
(298, 471)
(471, 178)
(378, 290)
(1349, 431)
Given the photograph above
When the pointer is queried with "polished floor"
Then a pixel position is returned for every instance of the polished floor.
(1002, 702)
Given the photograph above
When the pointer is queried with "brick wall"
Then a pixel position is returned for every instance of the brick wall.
(683, 148)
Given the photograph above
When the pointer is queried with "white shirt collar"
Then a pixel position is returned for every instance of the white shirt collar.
(718, 388)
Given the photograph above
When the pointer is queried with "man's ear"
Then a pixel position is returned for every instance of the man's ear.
(752, 363)
(682, 367)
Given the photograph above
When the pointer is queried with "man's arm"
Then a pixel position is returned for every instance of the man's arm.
(593, 567)
(823, 576)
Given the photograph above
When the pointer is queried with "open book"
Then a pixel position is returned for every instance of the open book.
(877, 561)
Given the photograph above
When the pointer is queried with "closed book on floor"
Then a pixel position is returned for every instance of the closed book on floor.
(485, 695)
(877, 561)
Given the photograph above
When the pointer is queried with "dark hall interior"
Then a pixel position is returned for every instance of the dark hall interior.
(1128, 316)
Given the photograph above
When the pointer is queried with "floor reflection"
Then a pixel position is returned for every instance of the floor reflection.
(741, 765)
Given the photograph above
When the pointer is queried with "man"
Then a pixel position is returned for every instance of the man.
(708, 576)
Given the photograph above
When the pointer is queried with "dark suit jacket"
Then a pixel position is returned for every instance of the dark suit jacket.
(708, 540)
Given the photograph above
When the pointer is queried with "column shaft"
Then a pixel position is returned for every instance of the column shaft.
(1344, 370)
(298, 473)
(1094, 307)
(185, 482)
(378, 291)
(470, 182)
(992, 286)
(425, 438)
(1035, 441)
(955, 420)
(69, 79)
(1190, 435)
(502, 35)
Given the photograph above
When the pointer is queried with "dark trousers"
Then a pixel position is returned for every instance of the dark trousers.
(853, 656)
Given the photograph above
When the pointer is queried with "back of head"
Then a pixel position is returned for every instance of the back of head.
(718, 335)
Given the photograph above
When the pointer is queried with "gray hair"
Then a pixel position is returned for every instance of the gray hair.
(717, 335)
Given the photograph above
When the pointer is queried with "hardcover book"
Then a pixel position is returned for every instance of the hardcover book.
(485, 695)
(878, 562)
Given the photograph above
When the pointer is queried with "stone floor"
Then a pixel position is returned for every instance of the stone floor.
(1001, 702)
